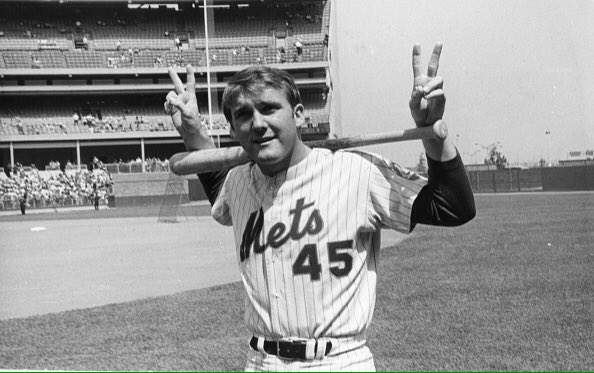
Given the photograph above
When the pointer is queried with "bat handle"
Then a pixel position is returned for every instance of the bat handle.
(440, 130)
(209, 160)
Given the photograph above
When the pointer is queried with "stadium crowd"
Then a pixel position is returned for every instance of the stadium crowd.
(110, 123)
(53, 188)
(151, 164)
(94, 124)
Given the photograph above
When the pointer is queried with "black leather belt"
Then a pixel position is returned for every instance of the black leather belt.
(287, 349)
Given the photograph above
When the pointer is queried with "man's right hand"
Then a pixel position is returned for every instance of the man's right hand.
(182, 106)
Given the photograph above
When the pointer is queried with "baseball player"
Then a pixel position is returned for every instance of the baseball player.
(307, 221)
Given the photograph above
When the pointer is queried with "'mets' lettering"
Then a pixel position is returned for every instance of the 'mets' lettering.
(251, 232)
(278, 235)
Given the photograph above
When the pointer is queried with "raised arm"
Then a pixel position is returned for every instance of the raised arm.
(447, 199)
(182, 106)
(427, 102)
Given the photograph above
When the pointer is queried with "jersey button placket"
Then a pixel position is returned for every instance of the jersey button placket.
(274, 185)
(274, 188)
(274, 252)
(269, 189)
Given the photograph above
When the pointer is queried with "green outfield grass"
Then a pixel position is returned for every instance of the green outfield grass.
(511, 290)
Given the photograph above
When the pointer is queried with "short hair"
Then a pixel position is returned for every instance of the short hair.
(252, 80)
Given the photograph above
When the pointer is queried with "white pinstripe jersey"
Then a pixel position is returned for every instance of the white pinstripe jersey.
(308, 239)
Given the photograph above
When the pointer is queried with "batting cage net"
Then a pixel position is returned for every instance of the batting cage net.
(175, 195)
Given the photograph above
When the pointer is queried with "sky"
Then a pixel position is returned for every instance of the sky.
(513, 69)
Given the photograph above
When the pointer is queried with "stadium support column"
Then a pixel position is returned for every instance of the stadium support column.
(142, 154)
(78, 154)
(209, 29)
(11, 155)
(333, 72)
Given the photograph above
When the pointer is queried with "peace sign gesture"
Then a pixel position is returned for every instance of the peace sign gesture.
(182, 106)
(427, 101)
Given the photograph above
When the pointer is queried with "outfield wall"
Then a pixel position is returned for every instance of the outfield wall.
(568, 178)
(149, 188)
(533, 179)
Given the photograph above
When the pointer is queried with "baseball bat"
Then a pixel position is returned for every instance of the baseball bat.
(209, 160)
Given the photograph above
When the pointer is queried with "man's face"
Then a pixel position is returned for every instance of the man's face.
(266, 127)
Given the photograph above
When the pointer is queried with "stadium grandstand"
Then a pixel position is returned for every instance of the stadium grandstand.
(82, 83)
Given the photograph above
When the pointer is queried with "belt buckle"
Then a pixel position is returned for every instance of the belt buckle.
(286, 353)
(292, 349)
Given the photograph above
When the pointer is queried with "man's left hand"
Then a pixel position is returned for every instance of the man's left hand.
(427, 100)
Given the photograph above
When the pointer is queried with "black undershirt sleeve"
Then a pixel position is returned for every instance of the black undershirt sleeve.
(212, 182)
(447, 199)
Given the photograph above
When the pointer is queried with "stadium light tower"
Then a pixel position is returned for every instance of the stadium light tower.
(548, 133)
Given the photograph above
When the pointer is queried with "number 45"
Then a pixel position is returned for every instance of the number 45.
(307, 261)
